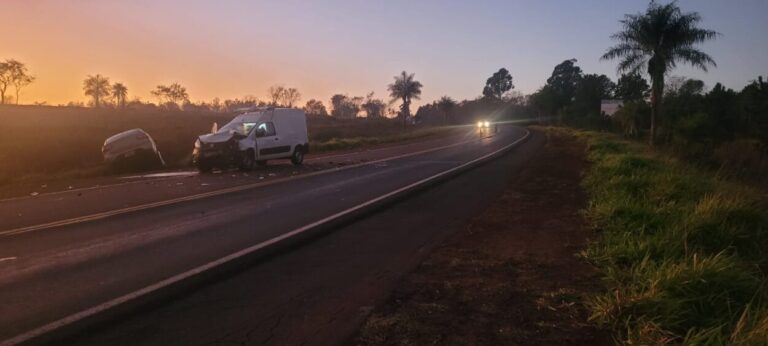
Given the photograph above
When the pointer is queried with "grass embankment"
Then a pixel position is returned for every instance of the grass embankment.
(45, 143)
(347, 143)
(683, 253)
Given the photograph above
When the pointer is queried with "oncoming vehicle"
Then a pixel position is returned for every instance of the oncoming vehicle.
(253, 138)
(131, 149)
(485, 126)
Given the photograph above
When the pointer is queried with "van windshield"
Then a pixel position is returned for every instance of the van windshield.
(242, 128)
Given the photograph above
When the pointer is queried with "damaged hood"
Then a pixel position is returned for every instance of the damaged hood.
(219, 137)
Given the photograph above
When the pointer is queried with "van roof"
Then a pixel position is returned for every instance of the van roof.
(262, 114)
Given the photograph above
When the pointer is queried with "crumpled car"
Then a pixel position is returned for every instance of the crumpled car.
(132, 150)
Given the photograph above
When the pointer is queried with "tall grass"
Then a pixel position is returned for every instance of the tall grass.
(683, 253)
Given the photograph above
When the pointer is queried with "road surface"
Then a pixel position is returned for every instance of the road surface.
(51, 269)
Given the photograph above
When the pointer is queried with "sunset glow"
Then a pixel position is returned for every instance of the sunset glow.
(230, 49)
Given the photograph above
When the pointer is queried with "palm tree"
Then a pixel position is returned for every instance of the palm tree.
(119, 92)
(658, 39)
(446, 105)
(405, 88)
(97, 87)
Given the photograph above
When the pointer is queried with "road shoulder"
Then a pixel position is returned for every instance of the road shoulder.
(511, 276)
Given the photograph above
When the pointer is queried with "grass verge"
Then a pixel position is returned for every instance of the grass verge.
(683, 253)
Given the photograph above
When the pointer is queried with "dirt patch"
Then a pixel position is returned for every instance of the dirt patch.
(512, 277)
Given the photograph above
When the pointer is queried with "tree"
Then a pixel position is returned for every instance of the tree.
(498, 84)
(13, 72)
(658, 39)
(632, 87)
(119, 92)
(446, 106)
(19, 76)
(406, 89)
(345, 107)
(374, 108)
(589, 92)
(563, 82)
(722, 106)
(290, 97)
(544, 101)
(276, 94)
(692, 87)
(280, 96)
(172, 95)
(5, 80)
(96, 87)
(753, 107)
(315, 108)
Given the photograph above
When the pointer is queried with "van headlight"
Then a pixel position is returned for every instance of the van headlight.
(197, 144)
(479, 124)
(487, 124)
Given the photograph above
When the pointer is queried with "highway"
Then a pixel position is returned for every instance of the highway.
(71, 258)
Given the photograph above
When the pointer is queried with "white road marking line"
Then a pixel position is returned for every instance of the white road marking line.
(7, 259)
(213, 264)
(102, 215)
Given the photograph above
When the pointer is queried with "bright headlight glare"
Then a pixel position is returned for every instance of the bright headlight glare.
(479, 124)
(487, 124)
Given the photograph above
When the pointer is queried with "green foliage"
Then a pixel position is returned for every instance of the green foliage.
(563, 82)
(498, 84)
(681, 251)
(632, 87)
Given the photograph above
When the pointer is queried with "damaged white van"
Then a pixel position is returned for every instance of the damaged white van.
(253, 138)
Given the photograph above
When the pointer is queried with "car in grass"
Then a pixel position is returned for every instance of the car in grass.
(253, 138)
(131, 150)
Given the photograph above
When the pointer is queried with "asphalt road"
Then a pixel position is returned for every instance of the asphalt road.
(313, 294)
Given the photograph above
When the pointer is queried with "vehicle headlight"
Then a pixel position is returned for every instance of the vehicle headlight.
(487, 124)
(197, 144)
(479, 124)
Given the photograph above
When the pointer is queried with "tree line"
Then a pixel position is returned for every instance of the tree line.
(102, 93)
(676, 112)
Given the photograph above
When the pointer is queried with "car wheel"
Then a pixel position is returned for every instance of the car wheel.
(298, 156)
(247, 161)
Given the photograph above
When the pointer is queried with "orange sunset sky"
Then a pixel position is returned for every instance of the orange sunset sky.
(230, 49)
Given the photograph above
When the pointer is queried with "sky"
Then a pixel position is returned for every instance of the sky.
(230, 49)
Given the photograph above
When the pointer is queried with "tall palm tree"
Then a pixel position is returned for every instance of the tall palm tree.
(96, 87)
(119, 92)
(406, 89)
(446, 105)
(658, 39)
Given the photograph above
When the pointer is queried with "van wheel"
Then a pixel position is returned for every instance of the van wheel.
(247, 161)
(204, 167)
(298, 156)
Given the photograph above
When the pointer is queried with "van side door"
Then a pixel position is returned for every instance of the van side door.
(268, 142)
